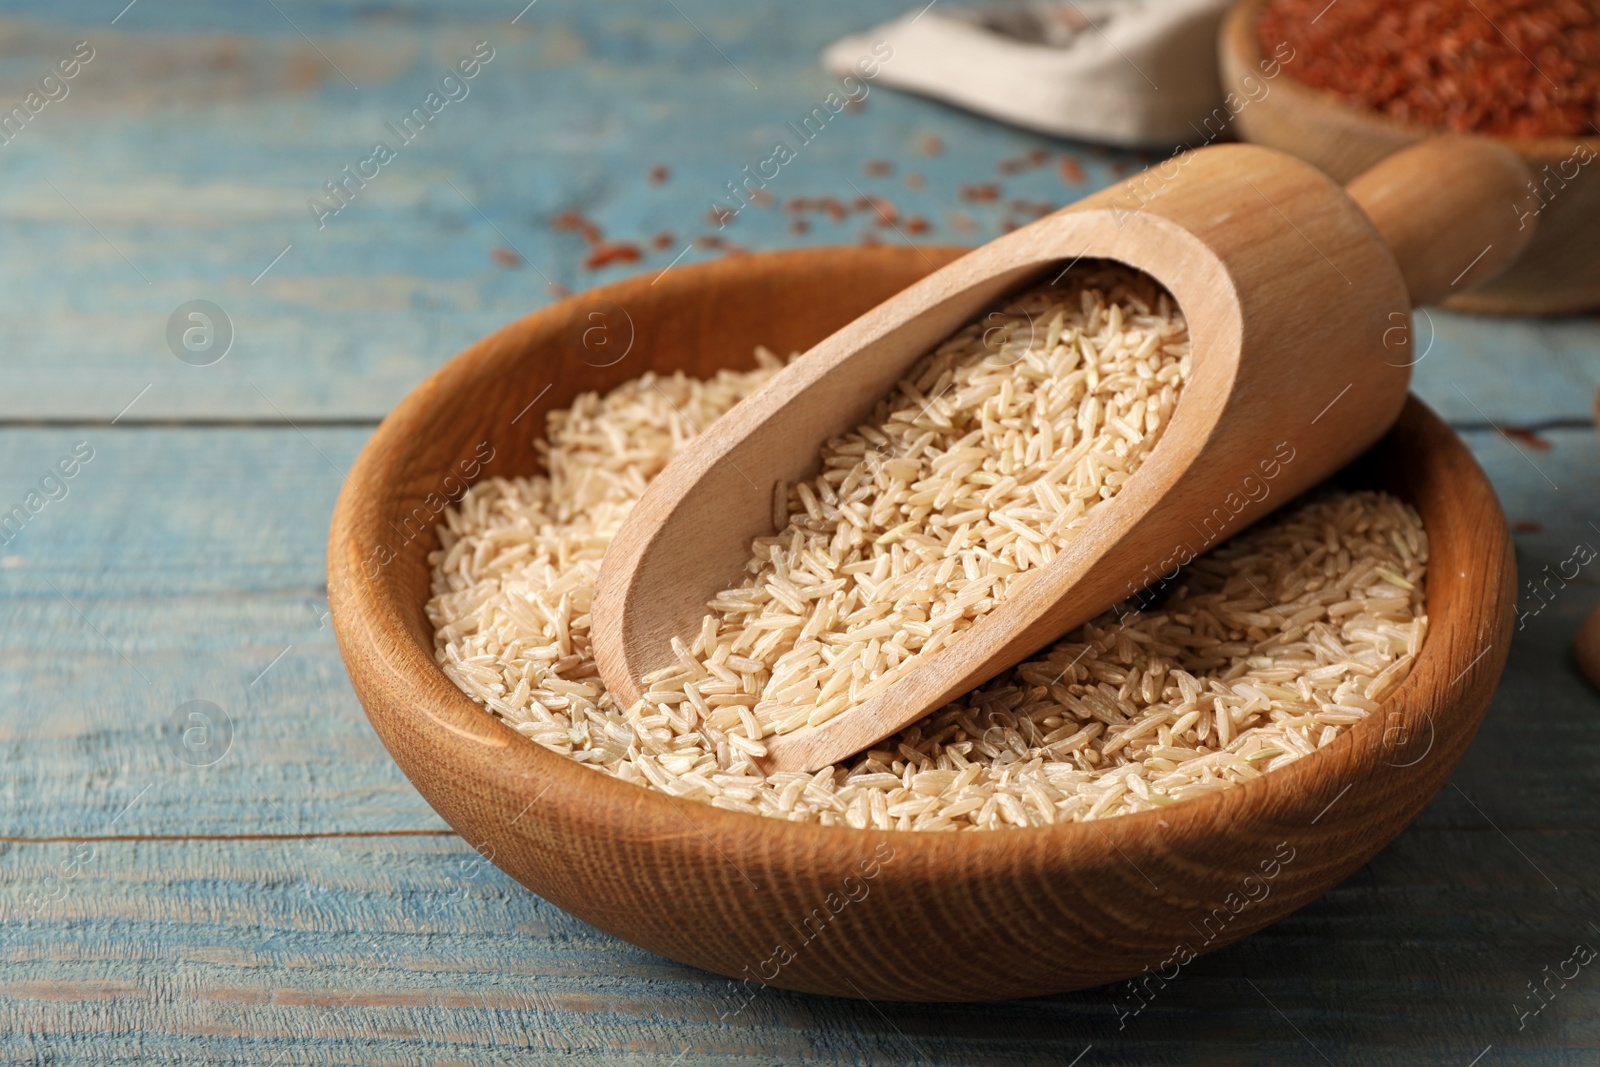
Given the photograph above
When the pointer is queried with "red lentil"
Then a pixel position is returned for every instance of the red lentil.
(609, 252)
(887, 213)
(573, 221)
(1523, 436)
(1526, 68)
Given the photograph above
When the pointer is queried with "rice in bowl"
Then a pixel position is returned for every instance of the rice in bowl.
(1270, 648)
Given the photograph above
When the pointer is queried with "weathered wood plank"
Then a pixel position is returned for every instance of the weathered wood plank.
(574, 110)
(181, 566)
(187, 565)
(233, 951)
(384, 950)
(182, 562)
(116, 196)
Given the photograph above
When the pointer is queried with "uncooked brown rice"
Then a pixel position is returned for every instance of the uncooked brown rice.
(988, 458)
(1273, 645)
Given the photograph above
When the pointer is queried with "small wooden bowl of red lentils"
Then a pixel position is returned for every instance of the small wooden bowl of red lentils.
(1343, 84)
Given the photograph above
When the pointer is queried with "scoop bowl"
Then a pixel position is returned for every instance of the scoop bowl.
(880, 915)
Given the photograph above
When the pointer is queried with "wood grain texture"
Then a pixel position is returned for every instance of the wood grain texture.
(195, 121)
(1560, 272)
(156, 581)
(414, 951)
(232, 952)
(1453, 238)
(217, 125)
(1222, 239)
(1104, 900)
(203, 547)
(82, 735)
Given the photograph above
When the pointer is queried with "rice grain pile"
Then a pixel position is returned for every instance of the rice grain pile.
(987, 459)
(981, 466)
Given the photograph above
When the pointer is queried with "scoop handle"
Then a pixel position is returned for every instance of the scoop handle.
(1452, 209)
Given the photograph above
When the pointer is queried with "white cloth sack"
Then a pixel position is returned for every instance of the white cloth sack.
(1126, 72)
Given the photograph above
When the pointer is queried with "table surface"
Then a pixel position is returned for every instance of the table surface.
(295, 901)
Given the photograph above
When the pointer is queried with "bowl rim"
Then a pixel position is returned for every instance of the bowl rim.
(1238, 37)
(445, 720)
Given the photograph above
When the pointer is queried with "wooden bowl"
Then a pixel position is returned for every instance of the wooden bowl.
(882, 915)
(1558, 274)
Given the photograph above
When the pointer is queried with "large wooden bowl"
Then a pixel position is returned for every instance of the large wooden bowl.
(1559, 272)
(899, 916)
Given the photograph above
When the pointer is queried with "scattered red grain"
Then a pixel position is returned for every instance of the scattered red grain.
(833, 206)
(1527, 526)
(659, 174)
(713, 243)
(719, 215)
(799, 226)
(1033, 159)
(573, 221)
(886, 211)
(1524, 436)
(761, 198)
(505, 257)
(1072, 171)
(609, 252)
(877, 168)
(930, 145)
(917, 224)
(1120, 167)
(662, 240)
(557, 290)
(915, 182)
(961, 222)
(870, 239)
(977, 194)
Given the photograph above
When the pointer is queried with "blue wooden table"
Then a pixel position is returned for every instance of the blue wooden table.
(270, 888)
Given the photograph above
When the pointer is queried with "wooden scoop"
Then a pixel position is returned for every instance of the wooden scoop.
(1298, 296)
